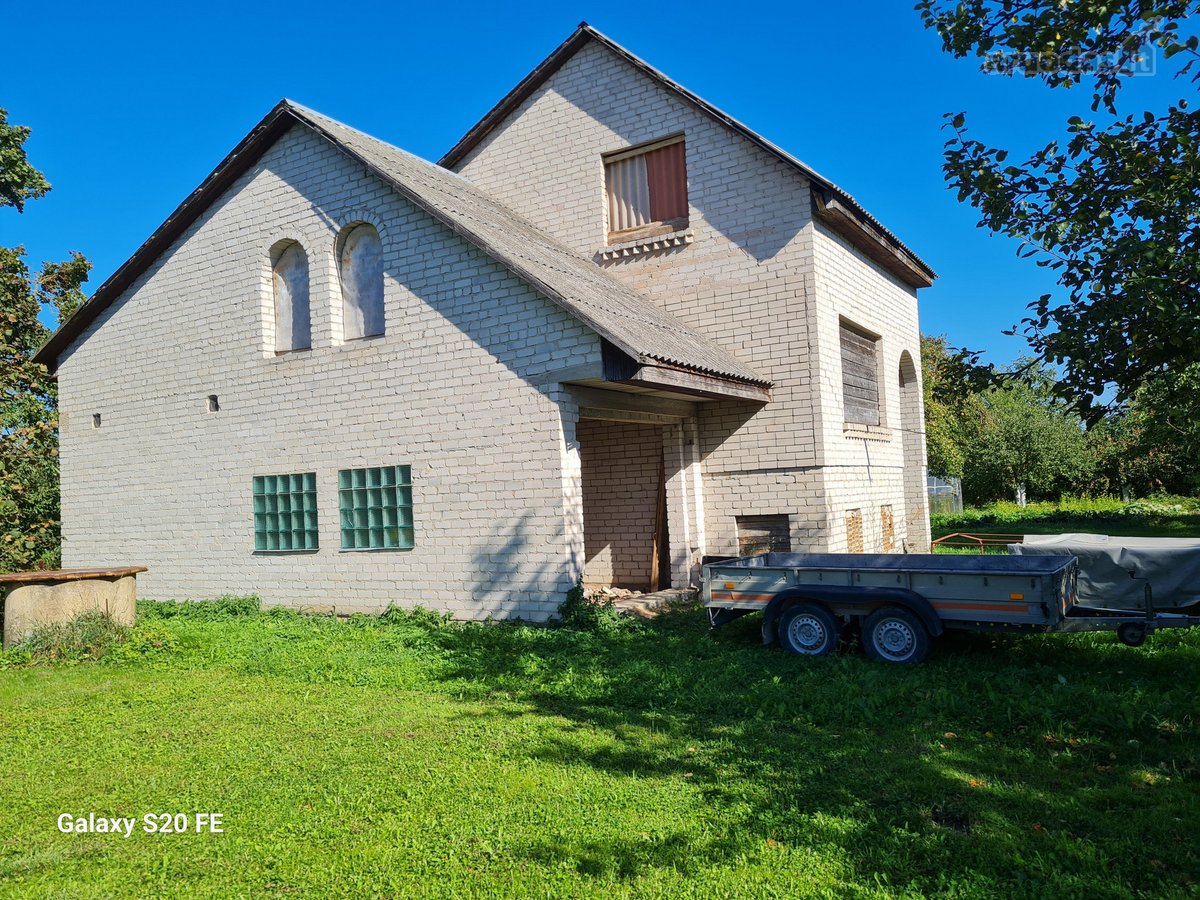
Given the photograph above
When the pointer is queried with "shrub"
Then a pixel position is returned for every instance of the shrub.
(151, 639)
(583, 613)
(90, 635)
(205, 610)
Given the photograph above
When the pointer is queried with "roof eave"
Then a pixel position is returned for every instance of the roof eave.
(248, 150)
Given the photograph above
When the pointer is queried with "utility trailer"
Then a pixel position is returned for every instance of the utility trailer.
(902, 601)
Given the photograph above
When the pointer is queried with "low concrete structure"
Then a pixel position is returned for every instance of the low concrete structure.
(57, 596)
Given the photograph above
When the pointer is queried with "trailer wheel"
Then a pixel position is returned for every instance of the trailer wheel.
(893, 634)
(1132, 634)
(808, 629)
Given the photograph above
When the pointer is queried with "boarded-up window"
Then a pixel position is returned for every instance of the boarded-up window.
(887, 523)
(361, 269)
(763, 534)
(860, 376)
(854, 531)
(647, 189)
(289, 278)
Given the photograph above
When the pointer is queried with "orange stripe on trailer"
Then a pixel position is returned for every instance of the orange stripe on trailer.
(729, 595)
(990, 607)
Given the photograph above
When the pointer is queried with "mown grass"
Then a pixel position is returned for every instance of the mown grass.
(1165, 516)
(408, 756)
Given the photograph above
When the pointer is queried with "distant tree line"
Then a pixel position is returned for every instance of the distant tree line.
(1009, 434)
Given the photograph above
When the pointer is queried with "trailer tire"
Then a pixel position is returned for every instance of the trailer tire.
(808, 629)
(895, 635)
(1132, 634)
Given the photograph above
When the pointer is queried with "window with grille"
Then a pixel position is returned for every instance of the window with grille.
(376, 508)
(763, 534)
(647, 190)
(285, 512)
(860, 375)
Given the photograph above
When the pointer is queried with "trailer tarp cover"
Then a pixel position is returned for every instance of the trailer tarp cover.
(1171, 565)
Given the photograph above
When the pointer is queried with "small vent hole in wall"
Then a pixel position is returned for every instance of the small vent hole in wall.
(95, 420)
(213, 404)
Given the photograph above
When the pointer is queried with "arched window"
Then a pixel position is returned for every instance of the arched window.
(293, 322)
(361, 266)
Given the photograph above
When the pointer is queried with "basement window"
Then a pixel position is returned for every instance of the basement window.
(285, 512)
(646, 187)
(376, 508)
(860, 375)
(763, 534)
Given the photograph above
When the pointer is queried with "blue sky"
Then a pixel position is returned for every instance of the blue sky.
(134, 108)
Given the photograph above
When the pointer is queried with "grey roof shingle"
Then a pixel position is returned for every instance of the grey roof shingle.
(609, 307)
(613, 310)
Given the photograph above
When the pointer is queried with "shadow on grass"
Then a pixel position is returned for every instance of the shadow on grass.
(1004, 765)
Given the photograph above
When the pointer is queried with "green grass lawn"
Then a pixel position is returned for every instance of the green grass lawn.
(407, 756)
(1156, 517)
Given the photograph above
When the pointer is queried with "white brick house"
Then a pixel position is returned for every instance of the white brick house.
(612, 332)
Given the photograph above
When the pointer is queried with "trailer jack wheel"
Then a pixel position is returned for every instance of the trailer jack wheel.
(1132, 634)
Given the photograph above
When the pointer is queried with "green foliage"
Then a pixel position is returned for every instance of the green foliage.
(952, 379)
(149, 640)
(89, 636)
(1024, 441)
(1153, 443)
(219, 609)
(1159, 516)
(1113, 210)
(19, 181)
(583, 613)
(1003, 433)
(29, 517)
(383, 757)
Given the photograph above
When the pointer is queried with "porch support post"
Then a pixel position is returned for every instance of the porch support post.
(572, 485)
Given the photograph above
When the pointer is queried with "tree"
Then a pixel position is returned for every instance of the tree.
(1025, 443)
(1115, 210)
(952, 379)
(1153, 443)
(29, 519)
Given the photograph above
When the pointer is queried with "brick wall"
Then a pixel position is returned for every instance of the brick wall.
(622, 468)
(450, 390)
(759, 276)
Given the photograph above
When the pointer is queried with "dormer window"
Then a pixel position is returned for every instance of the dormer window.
(647, 190)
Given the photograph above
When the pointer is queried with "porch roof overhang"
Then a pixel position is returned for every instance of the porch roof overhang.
(616, 372)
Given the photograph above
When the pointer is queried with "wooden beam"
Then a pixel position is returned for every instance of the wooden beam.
(696, 383)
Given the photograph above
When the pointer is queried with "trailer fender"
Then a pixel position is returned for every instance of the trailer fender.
(867, 598)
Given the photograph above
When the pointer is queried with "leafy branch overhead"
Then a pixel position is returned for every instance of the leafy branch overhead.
(1114, 207)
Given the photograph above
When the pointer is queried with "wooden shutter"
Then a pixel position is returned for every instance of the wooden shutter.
(860, 377)
(763, 534)
(666, 172)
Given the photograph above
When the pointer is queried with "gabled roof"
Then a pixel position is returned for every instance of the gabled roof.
(831, 204)
(616, 312)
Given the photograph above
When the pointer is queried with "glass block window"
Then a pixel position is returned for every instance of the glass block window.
(376, 507)
(285, 512)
